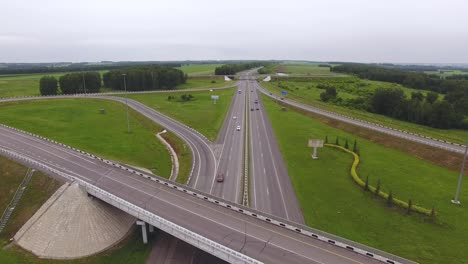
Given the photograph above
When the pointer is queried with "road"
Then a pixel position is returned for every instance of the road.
(411, 137)
(263, 241)
(231, 146)
(271, 191)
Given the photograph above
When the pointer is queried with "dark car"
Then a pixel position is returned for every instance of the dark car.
(251, 109)
(220, 177)
(258, 108)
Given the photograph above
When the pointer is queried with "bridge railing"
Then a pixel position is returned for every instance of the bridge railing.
(280, 222)
(182, 233)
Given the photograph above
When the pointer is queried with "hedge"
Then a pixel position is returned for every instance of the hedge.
(382, 194)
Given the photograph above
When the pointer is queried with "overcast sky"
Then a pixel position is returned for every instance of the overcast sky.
(402, 31)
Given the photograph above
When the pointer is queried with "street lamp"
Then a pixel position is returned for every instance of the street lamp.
(84, 84)
(126, 101)
(462, 172)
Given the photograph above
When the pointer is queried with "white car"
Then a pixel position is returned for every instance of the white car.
(238, 128)
(234, 117)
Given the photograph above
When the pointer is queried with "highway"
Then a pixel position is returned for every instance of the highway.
(272, 190)
(411, 137)
(230, 144)
(258, 239)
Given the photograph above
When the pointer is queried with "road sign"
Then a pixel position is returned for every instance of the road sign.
(284, 93)
(315, 143)
(214, 98)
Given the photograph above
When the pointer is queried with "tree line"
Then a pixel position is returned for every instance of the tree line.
(231, 69)
(144, 78)
(428, 110)
(416, 80)
(137, 79)
(71, 83)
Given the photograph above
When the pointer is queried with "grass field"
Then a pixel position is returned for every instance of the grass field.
(303, 68)
(200, 114)
(199, 69)
(307, 92)
(28, 84)
(331, 201)
(78, 123)
(447, 73)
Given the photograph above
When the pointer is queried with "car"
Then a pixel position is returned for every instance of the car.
(271, 93)
(238, 128)
(240, 91)
(234, 117)
(220, 177)
(251, 109)
(258, 108)
(282, 98)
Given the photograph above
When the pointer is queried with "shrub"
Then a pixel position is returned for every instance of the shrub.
(390, 199)
(337, 141)
(326, 139)
(346, 144)
(377, 189)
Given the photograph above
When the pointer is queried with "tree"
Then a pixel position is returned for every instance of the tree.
(410, 204)
(337, 141)
(417, 96)
(355, 146)
(48, 85)
(443, 115)
(326, 139)
(390, 199)
(377, 187)
(366, 186)
(329, 94)
(431, 97)
(387, 101)
(346, 144)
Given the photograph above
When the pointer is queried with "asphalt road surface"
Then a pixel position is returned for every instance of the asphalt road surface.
(263, 241)
(271, 191)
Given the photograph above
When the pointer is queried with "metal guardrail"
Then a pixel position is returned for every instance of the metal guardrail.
(283, 223)
(182, 233)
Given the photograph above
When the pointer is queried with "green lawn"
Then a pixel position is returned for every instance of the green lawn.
(28, 84)
(331, 201)
(77, 122)
(306, 92)
(304, 68)
(199, 69)
(203, 82)
(200, 113)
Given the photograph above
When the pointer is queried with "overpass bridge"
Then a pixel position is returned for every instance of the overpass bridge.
(227, 230)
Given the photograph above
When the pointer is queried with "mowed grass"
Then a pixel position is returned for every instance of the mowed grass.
(77, 122)
(331, 201)
(304, 68)
(28, 84)
(306, 92)
(203, 82)
(199, 69)
(200, 113)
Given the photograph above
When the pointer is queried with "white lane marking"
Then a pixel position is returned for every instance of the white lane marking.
(274, 165)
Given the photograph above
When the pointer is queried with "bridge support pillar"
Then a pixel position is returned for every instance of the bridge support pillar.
(143, 231)
(151, 228)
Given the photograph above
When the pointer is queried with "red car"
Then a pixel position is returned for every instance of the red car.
(220, 177)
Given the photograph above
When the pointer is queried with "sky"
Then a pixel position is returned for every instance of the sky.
(397, 31)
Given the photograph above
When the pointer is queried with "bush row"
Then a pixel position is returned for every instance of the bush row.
(402, 204)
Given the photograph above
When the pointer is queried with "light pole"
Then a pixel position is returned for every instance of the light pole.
(84, 84)
(462, 172)
(126, 101)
